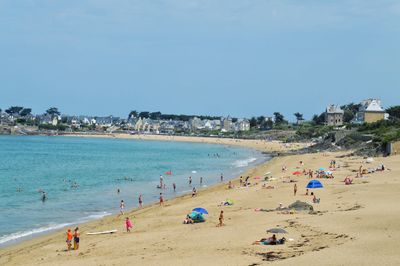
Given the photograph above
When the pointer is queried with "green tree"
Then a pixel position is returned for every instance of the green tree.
(133, 114)
(144, 114)
(299, 117)
(155, 115)
(14, 110)
(25, 111)
(350, 111)
(279, 118)
(52, 111)
(394, 111)
(253, 122)
(319, 119)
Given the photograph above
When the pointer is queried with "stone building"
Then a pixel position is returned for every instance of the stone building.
(334, 115)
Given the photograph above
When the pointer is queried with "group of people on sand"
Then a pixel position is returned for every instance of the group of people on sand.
(73, 237)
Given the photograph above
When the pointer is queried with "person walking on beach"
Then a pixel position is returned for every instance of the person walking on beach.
(122, 206)
(69, 239)
(161, 200)
(194, 192)
(140, 201)
(76, 238)
(221, 219)
(295, 189)
(190, 180)
(174, 186)
(128, 224)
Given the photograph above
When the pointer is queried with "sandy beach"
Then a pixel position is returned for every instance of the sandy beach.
(261, 145)
(354, 224)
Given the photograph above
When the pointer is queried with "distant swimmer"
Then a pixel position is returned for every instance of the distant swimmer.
(44, 196)
(118, 190)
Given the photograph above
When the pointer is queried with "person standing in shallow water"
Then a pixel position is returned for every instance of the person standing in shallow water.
(140, 201)
(190, 180)
(222, 177)
(161, 200)
(174, 186)
(122, 206)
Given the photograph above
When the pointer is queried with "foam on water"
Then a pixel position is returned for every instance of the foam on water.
(47, 228)
(244, 163)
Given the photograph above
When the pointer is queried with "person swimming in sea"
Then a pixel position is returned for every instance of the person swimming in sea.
(44, 196)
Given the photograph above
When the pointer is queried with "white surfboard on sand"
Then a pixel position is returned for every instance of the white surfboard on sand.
(103, 232)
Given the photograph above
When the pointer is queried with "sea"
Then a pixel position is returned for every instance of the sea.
(81, 177)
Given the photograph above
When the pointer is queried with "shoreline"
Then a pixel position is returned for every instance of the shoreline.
(260, 145)
(338, 230)
(44, 230)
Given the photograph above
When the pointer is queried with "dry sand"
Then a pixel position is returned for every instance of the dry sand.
(355, 225)
(262, 145)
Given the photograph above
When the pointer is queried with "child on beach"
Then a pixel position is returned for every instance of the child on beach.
(128, 224)
(76, 238)
(122, 206)
(69, 239)
(161, 200)
(221, 219)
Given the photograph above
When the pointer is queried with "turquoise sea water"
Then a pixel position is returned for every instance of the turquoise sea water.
(99, 167)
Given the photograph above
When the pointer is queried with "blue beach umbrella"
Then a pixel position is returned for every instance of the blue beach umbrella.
(321, 169)
(200, 210)
(314, 184)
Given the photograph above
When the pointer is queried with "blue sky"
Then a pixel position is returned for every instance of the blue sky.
(217, 57)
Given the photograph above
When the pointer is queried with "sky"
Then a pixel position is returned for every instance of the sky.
(212, 57)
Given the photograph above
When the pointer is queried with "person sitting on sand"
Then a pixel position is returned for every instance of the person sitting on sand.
(307, 192)
(348, 181)
(188, 220)
(128, 224)
(230, 185)
(315, 200)
(69, 239)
